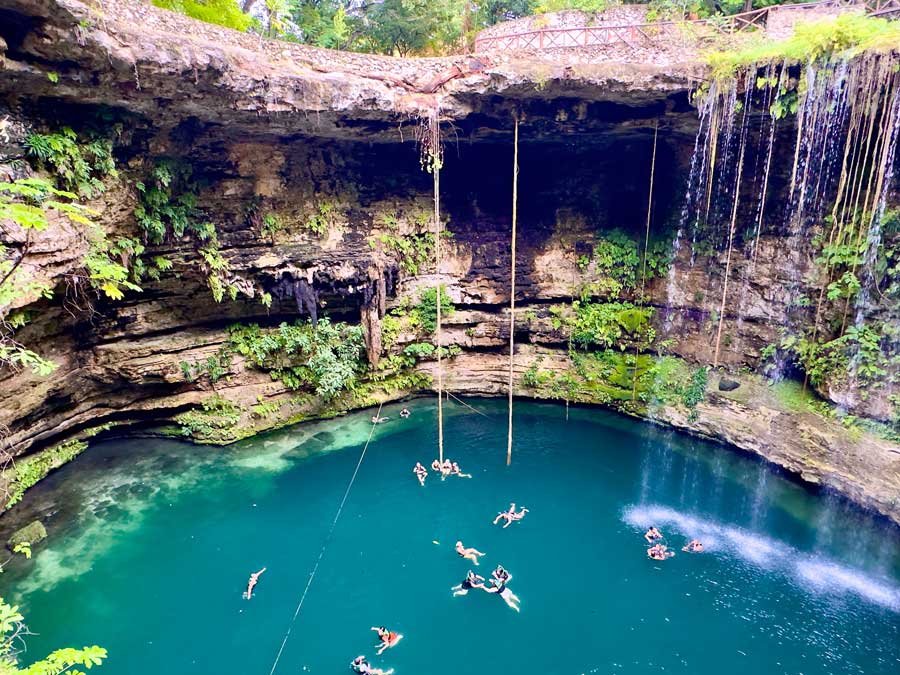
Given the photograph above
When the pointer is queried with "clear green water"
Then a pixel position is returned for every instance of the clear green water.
(153, 542)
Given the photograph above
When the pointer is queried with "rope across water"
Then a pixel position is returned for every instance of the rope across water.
(325, 543)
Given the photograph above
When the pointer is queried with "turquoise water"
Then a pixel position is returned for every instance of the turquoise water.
(153, 541)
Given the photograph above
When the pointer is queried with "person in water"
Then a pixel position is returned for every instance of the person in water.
(468, 553)
(660, 552)
(693, 546)
(421, 473)
(500, 575)
(501, 589)
(254, 579)
(360, 665)
(388, 638)
(455, 471)
(510, 516)
(652, 535)
(404, 413)
(378, 420)
(471, 581)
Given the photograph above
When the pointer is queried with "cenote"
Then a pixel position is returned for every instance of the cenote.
(152, 542)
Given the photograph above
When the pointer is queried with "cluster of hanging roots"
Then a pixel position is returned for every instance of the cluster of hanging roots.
(844, 137)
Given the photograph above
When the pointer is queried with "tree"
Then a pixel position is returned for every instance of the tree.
(403, 27)
(492, 12)
(12, 635)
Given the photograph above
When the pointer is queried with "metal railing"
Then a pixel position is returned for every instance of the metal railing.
(589, 36)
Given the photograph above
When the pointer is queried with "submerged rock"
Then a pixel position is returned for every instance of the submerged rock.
(30, 534)
(726, 384)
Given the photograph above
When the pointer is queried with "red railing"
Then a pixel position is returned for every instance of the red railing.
(589, 36)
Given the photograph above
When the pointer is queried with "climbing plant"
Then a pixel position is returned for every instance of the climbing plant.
(425, 311)
(324, 356)
(79, 165)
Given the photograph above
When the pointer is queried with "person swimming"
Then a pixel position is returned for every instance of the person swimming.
(501, 575)
(388, 638)
(454, 471)
(510, 515)
(693, 546)
(360, 665)
(421, 473)
(404, 413)
(660, 552)
(501, 589)
(652, 535)
(378, 420)
(251, 583)
(471, 581)
(468, 553)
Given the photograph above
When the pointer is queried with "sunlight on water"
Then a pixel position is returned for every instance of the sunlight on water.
(819, 574)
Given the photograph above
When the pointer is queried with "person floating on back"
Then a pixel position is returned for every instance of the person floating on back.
(510, 516)
(454, 471)
(378, 420)
(360, 665)
(388, 638)
(468, 553)
(660, 552)
(254, 579)
(471, 581)
(421, 473)
(652, 535)
(693, 546)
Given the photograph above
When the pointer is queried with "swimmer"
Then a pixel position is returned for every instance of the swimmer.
(468, 553)
(388, 638)
(652, 535)
(693, 546)
(501, 575)
(510, 516)
(471, 581)
(378, 420)
(421, 472)
(456, 472)
(360, 665)
(404, 413)
(254, 579)
(501, 589)
(660, 552)
(435, 465)
(446, 468)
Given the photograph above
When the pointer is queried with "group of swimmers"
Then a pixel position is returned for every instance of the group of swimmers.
(387, 639)
(379, 420)
(498, 584)
(445, 468)
(659, 551)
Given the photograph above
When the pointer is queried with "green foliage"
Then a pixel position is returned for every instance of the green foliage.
(271, 224)
(215, 367)
(403, 27)
(67, 660)
(79, 165)
(106, 274)
(168, 204)
(835, 38)
(214, 420)
(320, 221)
(220, 12)
(323, 356)
(426, 310)
(544, 6)
(28, 203)
(610, 324)
(696, 390)
(27, 471)
(616, 263)
(414, 252)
